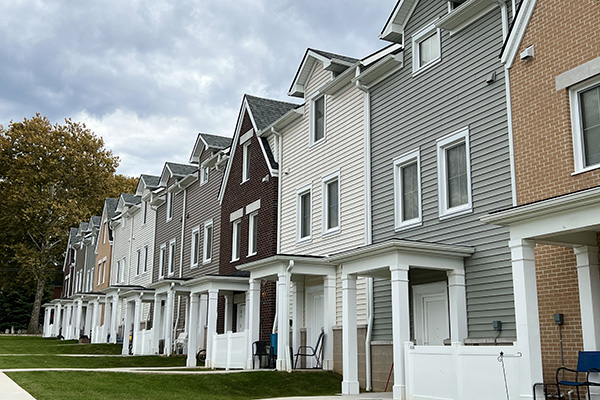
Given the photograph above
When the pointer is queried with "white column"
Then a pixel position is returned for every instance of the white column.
(87, 325)
(458, 306)
(58, 320)
(329, 320)
(526, 314)
(78, 315)
(349, 335)
(213, 296)
(136, 324)
(168, 319)
(95, 322)
(114, 319)
(253, 317)
(193, 331)
(106, 325)
(126, 328)
(202, 321)
(400, 325)
(67, 330)
(228, 312)
(156, 325)
(46, 328)
(588, 275)
(298, 315)
(283, 331)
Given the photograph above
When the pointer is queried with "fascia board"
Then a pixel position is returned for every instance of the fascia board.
(234, 142)
(518, 31)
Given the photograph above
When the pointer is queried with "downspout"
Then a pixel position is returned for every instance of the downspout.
(182, 233)
(130, 250)
(288, 277)
(369, 384)
(279, 158)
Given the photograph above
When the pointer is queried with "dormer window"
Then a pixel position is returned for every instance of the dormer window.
(246, 162)
(317, 121)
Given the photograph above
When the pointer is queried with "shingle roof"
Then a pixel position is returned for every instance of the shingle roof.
(72, 235)
(267, 111)
(182, 169)
(216, 142)
(150, 181)
(131, 199)
(270, 155)
(332, 56)
(95, 220)
(111, 207)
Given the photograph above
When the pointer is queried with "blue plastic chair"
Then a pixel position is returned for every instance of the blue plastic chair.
(587, 362)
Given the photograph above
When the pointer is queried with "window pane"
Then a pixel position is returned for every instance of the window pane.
(410, 192)
(253, 244)
(457, 175)
(333, 209)
(146, 259)
(195, 244)
(305, 215)
(319, 118)
(208, 250)
(247, 162)
(590, 117)
(429, 49)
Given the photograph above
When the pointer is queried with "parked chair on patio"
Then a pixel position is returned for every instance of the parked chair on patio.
(588, 363)
(260, 349)
(308, 351)
(180, 343)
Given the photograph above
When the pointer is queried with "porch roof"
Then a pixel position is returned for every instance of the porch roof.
(279, 263)
(218, 282)
(166, 284)
(144, 293)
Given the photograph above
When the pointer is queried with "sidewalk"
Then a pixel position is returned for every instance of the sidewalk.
(365, 396)
(10, 390)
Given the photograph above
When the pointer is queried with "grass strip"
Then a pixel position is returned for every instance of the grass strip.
(39, 345)
(56, 361)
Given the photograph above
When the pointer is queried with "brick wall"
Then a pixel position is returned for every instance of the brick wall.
(563, 37)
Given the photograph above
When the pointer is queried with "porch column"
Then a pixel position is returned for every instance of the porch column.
(329, 320)
(400, 325)
(156, 323)
(46, 328)
(349, 335)
(87, 325)
(106, 325)
(588, 275)
(228, 312)
(126, 328)
(298, 314)
(193, 331)
(168, 320)
(213, 297)
(78, 315)
(114, 320)
(283, 330)
(67, 325)
(458, 306)
(202, 321)
(253, 317)
(137, 316)
(57, 320)
(526, 314)
(94, 324)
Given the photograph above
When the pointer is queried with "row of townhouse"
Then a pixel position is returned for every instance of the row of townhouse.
(429, 208)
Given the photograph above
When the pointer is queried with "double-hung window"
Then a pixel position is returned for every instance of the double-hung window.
(585, 122)
(426, 48)
(118, 271)
(246, 161)
(407, 190)
(172, 257)
(331, 203)
(195, 247)
(124, 269)
(252, 233)
(162, 261)
(144, 212)
(169, 206)
(145, 259)
(303, 214)
(236, 240)
(454, 174)
(317, 121)
(138, 263)
(204, 174)
(208, 242)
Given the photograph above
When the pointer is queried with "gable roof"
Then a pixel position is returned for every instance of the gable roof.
(111, 207)
(208, 142)
(393, 30)
(176, 171)
(331, 62)
(94, 221)
(147, 182)
(130, 199)
(262, 112)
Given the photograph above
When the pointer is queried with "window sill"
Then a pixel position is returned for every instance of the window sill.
(407, 225)
(234, 260)
(317, 143)
(586, 169)
(451, 213)
(304, 240)
(331, 232)
(250, 255)
(207, 261)
(193, 266)
(426, 67)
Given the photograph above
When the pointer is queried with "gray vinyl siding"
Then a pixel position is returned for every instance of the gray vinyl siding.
(413, 112)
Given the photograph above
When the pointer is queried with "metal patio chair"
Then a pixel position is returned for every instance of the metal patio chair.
(309, 351)
(588, 363)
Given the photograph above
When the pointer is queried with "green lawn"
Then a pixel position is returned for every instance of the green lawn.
(117, 386)
(54, 361)
(39, 345)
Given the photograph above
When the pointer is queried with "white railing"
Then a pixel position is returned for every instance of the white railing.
(229, 350)
(142, 342)
(461, 372)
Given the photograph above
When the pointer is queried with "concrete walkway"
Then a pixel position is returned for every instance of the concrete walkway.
(10, 390)
(362, 396)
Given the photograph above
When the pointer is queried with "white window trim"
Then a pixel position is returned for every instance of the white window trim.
(252, 217)
(417, 38)
(205, 259)
(203, 179)
(123, 269)
(171, 258)
(313, 100)
(146, 256)
(443, 144)
(576, 125)
(162, 261)
(194, 250)
(144, 213)
(399, 162)
(325, 209)
(235, 241)
(246, 161)
(170, 207)
(138, 262)
(299, 193)
(118, 271)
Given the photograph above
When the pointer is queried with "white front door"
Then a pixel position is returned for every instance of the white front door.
(430, 308)
(315, 319)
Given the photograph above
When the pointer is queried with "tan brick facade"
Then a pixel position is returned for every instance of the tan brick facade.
(564, 36)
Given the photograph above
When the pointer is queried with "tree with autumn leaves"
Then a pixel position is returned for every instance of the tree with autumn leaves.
(52, 176)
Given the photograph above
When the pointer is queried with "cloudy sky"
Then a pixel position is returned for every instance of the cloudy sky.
(149, 75)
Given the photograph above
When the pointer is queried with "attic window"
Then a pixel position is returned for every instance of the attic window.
(426, 48)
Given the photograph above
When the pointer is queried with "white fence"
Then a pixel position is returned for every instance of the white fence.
(229, 350)
(142, 342)
(461, 372)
